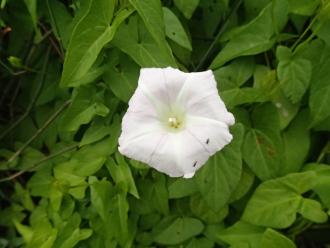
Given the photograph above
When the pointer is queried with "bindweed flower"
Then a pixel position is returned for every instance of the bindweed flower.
(175, 121)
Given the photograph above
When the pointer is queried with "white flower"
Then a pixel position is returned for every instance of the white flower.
(175, 121)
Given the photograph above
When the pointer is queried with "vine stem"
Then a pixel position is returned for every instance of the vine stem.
(303, 34)
(39, 131)
(34, 99)
(34, 166)
(216, 39)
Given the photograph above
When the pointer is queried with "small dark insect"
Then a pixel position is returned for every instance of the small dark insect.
(194, 165)
(207, 141)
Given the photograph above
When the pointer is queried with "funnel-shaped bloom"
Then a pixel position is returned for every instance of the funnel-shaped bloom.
(175, 121)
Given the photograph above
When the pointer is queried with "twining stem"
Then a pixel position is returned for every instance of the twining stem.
(310, 25)
(51, 15)
(12, 72)
(216, 39)
(304, 33)
(39, 131)
(34, 166)
(34, 99)
(324, 151)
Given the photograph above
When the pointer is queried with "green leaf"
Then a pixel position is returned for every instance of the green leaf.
(262, 147)
(265, 80)
(90, 158)
(242, 45)
(255, 37)
(182, 187)
(39, 184)
(153, 196)
(152, 15)
(82, 110)
(31, 5)
(235, 74)
(201, 210)
(200, 243)
(95, 132)
(67, 178)
(322, 22)
(179, 230)
(244, 185)
(319, 99)
(134, 39)
(174, 29)
(294, 74)
(93, 27)
(23, 197)
(121, 174)
(101, 193)
(313, 211)
(297, 143)
(119, 216)
(242, 234)
(273, 239)
(121, 75)
(187, 7)
(303, 7)
(25, 231)
(220, 175)
(258, 153)
(213, 13)
(76, 236)
(61, 20)
(278, 197)
(322, 187)
(239, 96)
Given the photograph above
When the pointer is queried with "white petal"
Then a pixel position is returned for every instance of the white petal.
(135, 125)
(212, 134)
(179, 154)
(140, 135)
(141, 104)
(200, 97)
(163, 83)
(189, 175)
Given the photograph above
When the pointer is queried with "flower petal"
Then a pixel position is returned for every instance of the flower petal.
(141, 104)
(212, 134)
(163, 83)
(200, 97)
(140, 135)
(179, 154)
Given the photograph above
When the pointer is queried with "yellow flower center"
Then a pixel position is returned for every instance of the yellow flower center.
(173, 122)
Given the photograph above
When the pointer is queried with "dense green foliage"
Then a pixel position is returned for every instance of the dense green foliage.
(68, 69)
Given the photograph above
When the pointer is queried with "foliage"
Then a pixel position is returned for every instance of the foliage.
(68, 69)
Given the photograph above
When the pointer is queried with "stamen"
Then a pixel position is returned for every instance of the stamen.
(173, 122)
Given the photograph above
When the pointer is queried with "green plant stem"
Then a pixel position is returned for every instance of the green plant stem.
(34, 99)
(304, 33)
(34, 166)
(216, 39)
(39, 131)
(323, 152)
(51, 14)
(14, 73)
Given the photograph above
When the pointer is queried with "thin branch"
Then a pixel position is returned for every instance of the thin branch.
(216, 39)
(57, 47)
(34, 99)
(11, 71)
(51, 14)
(39, 131)
(34, 166)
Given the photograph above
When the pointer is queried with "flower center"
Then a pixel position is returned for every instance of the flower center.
(173, 122)
(173, 118)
